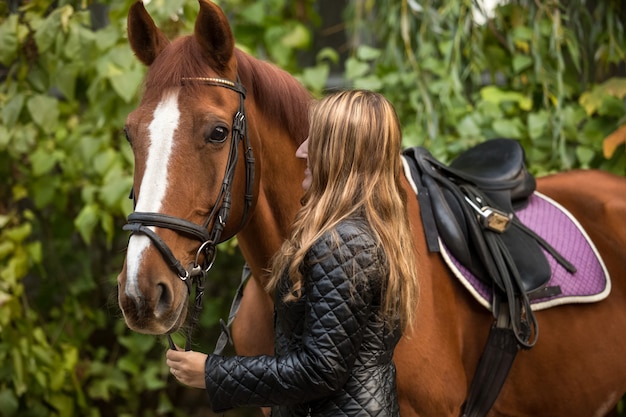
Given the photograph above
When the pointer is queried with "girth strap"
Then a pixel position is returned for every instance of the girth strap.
(493, 367)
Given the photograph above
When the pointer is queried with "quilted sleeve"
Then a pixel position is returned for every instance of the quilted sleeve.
(338, 297)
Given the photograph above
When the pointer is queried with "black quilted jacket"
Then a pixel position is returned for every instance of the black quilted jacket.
(333, 353)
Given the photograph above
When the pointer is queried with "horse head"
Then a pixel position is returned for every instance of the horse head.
(196, 135)
(191, 155)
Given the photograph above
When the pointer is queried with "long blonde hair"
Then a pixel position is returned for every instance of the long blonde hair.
(354, 157)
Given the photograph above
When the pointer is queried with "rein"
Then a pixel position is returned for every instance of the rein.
(142, 222)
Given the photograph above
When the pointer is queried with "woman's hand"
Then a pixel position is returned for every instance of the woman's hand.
(187, 367)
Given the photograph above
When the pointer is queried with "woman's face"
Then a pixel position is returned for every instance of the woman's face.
(303, 153)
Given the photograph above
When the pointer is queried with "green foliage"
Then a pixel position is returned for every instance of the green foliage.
(66, 173)
(68, 85)
(544, 73)
(536, 72)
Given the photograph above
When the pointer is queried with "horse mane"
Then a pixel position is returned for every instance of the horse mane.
(277, 94)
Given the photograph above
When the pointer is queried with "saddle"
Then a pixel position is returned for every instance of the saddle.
(469, 206)
(477, 195)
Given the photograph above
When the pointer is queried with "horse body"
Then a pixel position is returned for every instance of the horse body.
(578, 367)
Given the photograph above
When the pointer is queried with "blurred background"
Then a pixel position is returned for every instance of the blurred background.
(550, 74)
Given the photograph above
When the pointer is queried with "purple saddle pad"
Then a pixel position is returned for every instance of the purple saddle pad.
(551, 221)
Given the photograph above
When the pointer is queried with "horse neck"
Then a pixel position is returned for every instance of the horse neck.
(277, 113)
(277, 202)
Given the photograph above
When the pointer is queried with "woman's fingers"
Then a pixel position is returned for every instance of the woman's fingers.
(187, 367)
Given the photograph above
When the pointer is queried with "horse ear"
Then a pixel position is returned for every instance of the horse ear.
(214, 35)
(146, 40)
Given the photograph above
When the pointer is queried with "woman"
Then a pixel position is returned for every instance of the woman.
(344, 283)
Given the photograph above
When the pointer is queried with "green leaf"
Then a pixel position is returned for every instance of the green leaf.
(278, 50)
(6, 248)
(5, 137)
(99, 389)
(496, 95)
(50, 28)
(24, 139)
(371, 82)
(19, 374)
(538, 124)
(508, 128)
(39, 78)
(468, 127)
(12, 109)
(254, 13)
(153, 379)
(167, 8)
(104, 160)
(4, 220)
(165, 406)
(107, 37)
(44, 111)
(44, 190)
(86, 221)
(8, 40)
(88, 192)
(43, 354)
(611, 106)
(327, 54)
(126, 84)
(616, 87)
(297, 37)
(70, 357)
(594, 100)
(521, 62)
(122, 57)
(65, 80)
(572, 46)
(585, 155)
(523, 33)
(19, 233)
(88, 146)
(490, 110)
(355, 68)
(79, 42)
(8, 403)
(129, 364)
(108, 225)
(315, 77)
(137, 342)
(42, 161)
(62, 402)
(35, 252)
(367, 53)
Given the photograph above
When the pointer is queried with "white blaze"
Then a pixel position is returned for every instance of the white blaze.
(154, 182)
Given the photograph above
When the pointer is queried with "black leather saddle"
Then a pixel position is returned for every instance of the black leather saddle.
(477, 194)
(470, 205)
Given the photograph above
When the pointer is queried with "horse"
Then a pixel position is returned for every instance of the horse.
(214, 139)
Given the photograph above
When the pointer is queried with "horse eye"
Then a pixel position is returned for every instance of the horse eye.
(127, 134)
(218, 134)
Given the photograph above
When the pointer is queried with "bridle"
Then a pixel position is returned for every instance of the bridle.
(140, 222)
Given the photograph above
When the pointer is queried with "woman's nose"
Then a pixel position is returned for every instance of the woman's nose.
(302, 151)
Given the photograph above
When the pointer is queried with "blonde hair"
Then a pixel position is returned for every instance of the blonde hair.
(354, 157)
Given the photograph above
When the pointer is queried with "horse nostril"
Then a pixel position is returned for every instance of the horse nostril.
(164, 299)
